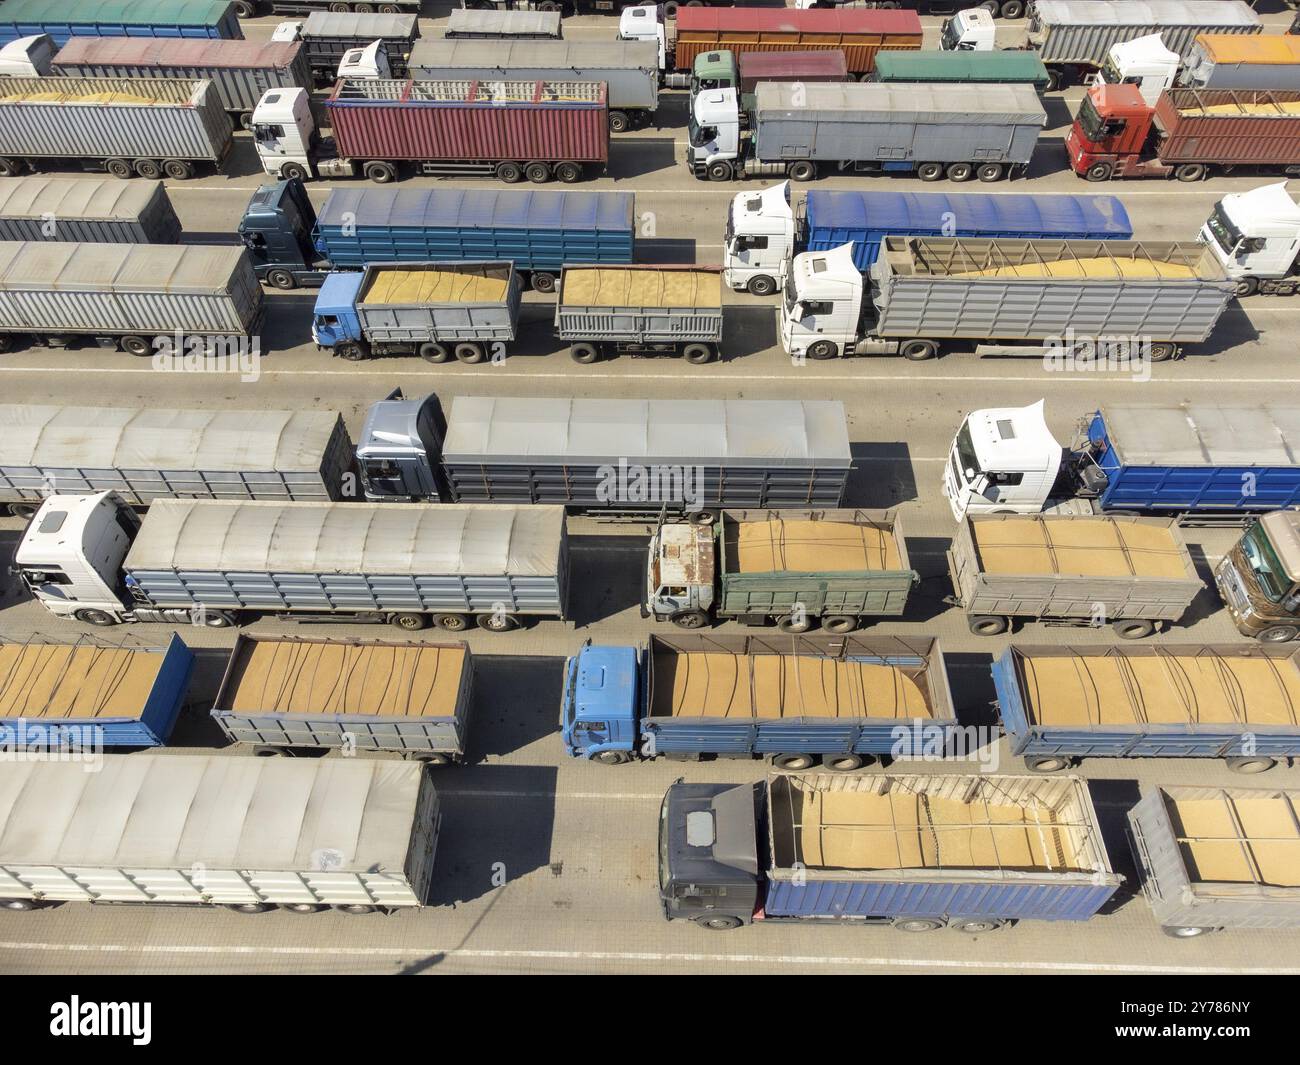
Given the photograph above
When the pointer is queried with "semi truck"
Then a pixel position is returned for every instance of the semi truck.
(1134, 574)
(765, 230)
(797, 700)
(920, 853)
(151, 127)
(88, 210)
(1206, 463)
(462, 311)
(295, 694)
(1188, 135)
(126, 296)
(465, 23)
(1235, 702)
(240, 71)
(1224, 61)
(355, 835)
(801, 131)
(839, 569)
(1259, 578)
(640, 310)
(64, 19)
(214, 562)
(1059, 299)
(1255, 236)
(328, 36)
(511, 130)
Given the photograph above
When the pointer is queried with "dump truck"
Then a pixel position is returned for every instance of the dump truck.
(1205, 463)
(88, 697)
(640, 310)
(1058, 299)
(87, 210)
(211, 562)
(285, 695)
(1226, 61)
(1134, 574)
(510, 130)
(920, 853)
(962, 68)
(765, 230)
(356, 835)
(64, 19)
(327, 36)
(240, 71)
(469, 24)
(1210, 859)
(1240, 703)
(843, 700)
(799, 131)
(1255, 236)
(153, 127)
(1259, 578)
(798, 568)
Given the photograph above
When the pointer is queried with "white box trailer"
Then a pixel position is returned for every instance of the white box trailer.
(92, 210)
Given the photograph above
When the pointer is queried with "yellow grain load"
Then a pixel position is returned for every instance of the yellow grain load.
(1102, 267)
(79, 98)
(1261, 109)
(810, 547)
(417, 287)
(1239, 839)
(58, 681)
(643, 288)
(1079, 547)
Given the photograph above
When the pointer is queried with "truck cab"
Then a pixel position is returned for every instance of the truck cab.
(1110, 133)
(335, 323)
(714, 70)
(277, 230)
(368, 62)
(759, 241)
(600, 708)
(1255, 236)
(680, 568)
(708, 854)
(713, 132)
(398, 449)
(1259, 578)
(1144, 62)
(972, 30)
(28, 57)
(822, 313)
(285, 133)
(646, 22)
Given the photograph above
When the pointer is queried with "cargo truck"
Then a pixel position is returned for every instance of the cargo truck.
(215, 562)
(798, 568)
(469, 24)
(1255, 236)
(462, 311)
(765, 230)
(1206, 463)
(1210, 859)
(328, 36)
(165, 453)
(88, 210)
(356, 835)
(240, 71)
(1188, 135)
(962, 68)
(1219, 61)
(842, 700)
(640, 310)
(511, 130)
(1259, 578)
(253, 8)
(64, 19)
(919, 853)
(801, 131)
(291, 245)
(153, 127)
(1057, 299)
(126, 296)
(1238, 703)
(295, 694)
(88, 697)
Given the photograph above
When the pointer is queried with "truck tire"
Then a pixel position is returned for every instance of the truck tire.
(181, 169)
(929, 171)
(10, 167)
(720, 171)
(762, 285)
(303, 907)
(543, 281)
(670, 9)
(1046, 763)
(1251, 764)
(839, 623)
(356, 909)
(584, 352)
(91, 616)
(822, 349)
(612, 758)
(793, 762)
(19, 905)
(991, 6)
(917, 924)
(471, 352)
(974, 926)
(1056, 80)
(1246, 286)
(381, 173)
(918, 350)
(218, 619)
(699, 354)
(282, 279)
(568, 172)
(350, 351)
(24, 510)
(497, 622)
(842, 763)
(410, 621)
(119, 168)
(249, 907)
(245, 8)
(363, 8)
(619, 122)
(545, 5)
(293, 171)
(1184, 931)
(510, 173)
(1134, 629)
(960, 171)
(718, 922)
(1272, 634)
(148, 168)
(988, 624)
(803, 170)
(1013, 8)
(338, 6)
(1162, 351)
(538, 173)
(432, 351)
(787, 623)
(690, 619)
(393, 9)
(135, 345)
(451, 622)
(989, 172)
(1191, 172)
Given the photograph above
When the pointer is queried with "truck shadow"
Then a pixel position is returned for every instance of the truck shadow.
(516, 702)
(641, 156)
(1233, 330)
(926, 602)
(1049, 158)
(612, 569)
(1060, 115)
(1113, 799)
(195, 727)
(882, 475)
(288, 322)
(1207, 602)
(660, 250)
(970, 678)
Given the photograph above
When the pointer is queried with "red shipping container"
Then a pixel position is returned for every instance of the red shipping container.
(791, 66)
(1229, 126)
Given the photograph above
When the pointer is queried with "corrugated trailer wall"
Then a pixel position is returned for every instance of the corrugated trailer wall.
(1243, 137)
(1073, 32)
(63, 19)
(94, 210)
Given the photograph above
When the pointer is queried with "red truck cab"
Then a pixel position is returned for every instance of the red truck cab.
(1110, 133)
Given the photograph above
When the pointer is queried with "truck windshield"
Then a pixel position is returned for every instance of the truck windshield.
(1089, 121)
(950, 35)
(964, 457)
(663, 847)
(1264, 564)
(1226, 235)
(1110, 72)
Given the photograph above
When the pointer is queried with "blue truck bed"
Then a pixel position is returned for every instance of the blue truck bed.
(63, 19)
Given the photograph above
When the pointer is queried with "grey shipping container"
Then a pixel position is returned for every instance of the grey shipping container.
(439, 311)
(1218, 858)
(1088, 569)
(87, 209)
(1269, 63)
(145, 123)
(328, 34)
(470, 23)
(161, 453)
(358, 695)
(358, 834)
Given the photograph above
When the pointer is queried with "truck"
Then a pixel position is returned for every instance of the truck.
(462, 311)
(1146, 63)
(305, 835)
(152, 453)
(291, 245)
(640, 310)
(1188, 135)
(470, 24)
(240, 71)
(328, 36)
(1236, 702)
(798, 568)
(254, 8)
(1225, 61)
(126, 296)
(920, 853)
(511, 130)
(801, 131)
(296, 694)
(1132, 573)
(1211, 858)
(64, 19)
(212, 562)
(1209, 463)
(1259, 578)
(60, 698)
(797, 700)
(1255, 236)
(89, 210)
(765, 230)
(1062, 300)
(963, 68)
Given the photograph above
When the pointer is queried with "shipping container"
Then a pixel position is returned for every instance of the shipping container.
(823, 65)
(962, 67)
(466, 23)
(1226, 126)
(87, 209)
(64, 19)
(327, 35)
(1225, 61)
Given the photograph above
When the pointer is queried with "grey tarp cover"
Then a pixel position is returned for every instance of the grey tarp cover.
(109, 199)
(347, 24)
(178, 811)
(468, 20)
(118, 438)
(576, 56)
(711, 432)
(188, 270)
(890, 101)
(373, 538)
(1205, 434)
(1146, 13)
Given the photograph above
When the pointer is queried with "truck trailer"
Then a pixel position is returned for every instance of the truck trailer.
(919, 853)
(305, 835)
(816, 65)
(843, 700)
(1226, 61)
(962, 68)
(474, 25)
(87, 210)
(65, 19)
(327, 36)
(253, 8)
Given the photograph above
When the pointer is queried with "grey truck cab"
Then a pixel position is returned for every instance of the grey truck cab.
(397, 453)
(708, 854)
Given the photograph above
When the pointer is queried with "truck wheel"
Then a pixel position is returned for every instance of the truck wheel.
(182, 170)
(1247, 286)
(470, 352)
(356, 909)
(612, 757)
(543, 281)
(718, 922)
(1056, 79)
(281, 279)
(720, 171)
(95, 617)
(430, 351)
(497, 622)
(918, 350)
(381, 173)
(930, 171)
(303, 907)
(960, 171)
(119, 168)
(269, 752)
(803, 170)
(217, 619)
(148, 168)
(432, 758)
(842, 763)
(349, 351)
(840, 623)
(510, 173)
(249, 907)
(917, 924)
(24, 510)
(1191, 172)
(793, 761)
(1134, 629)
(1251, 765)
(690, 619)
(293, 172)
(337, 6)
(988, 624)
(1162, 351)
(823, 349)
(568, 172)
(245, 8)
(538, 173)
(991, 6)
(974, 926)
(762, 285)
(989, 172)
(1184, 931)
(409, 620)
(451, 622)
(619, 122)
(1012, 8)
(1273, 634)
(1046, 763)
(136, 345)
(789, 623)
(245, 119)
(9, 167)
(363, 9)
(698, 354)
(584, 353)
(393, 9)
(19, 905)
(670, 9)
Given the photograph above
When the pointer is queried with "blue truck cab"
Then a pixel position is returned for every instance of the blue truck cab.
(334, 319)
(600, 713)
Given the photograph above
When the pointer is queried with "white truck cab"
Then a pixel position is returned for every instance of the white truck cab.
(679, 573)
(822, 309)
(971, 30)
(645, 22)
(1004, 460)
(713, 129)
(1144, 62)
(288, 31)
(28, 57)
(1255, 236)
(760, 240)
(368, 62)
(284, 131)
